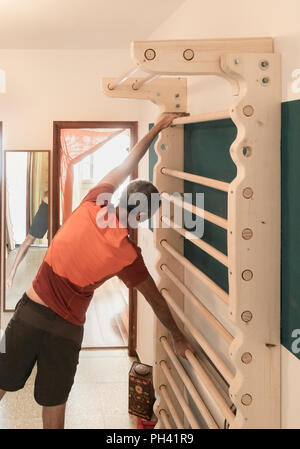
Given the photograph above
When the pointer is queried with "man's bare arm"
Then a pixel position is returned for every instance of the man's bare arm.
(22, 251)
(158, 303)
(118, 175)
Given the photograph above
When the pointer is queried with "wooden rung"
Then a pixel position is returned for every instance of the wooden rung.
(216, 254)
(198, 273)
(144, 81)
(207, 382)
(219, 221)
(165, 418)
(198, 304)
(203, 117)
(179, 396)
(189, 385)
(216, 360)
(172, 410)
(209, 182)
(123, 77)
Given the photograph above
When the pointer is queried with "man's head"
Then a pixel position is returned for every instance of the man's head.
(140, 199)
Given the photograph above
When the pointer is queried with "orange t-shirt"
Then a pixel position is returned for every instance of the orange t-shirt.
(82, 256)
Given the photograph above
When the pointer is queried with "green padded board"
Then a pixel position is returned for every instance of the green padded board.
(206, 153)
(290, 226)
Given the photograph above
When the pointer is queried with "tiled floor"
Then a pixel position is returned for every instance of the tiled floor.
(98, 400)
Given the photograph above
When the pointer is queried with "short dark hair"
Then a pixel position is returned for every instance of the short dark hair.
(140, 186)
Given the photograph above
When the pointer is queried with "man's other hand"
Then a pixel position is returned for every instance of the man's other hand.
(181, 345)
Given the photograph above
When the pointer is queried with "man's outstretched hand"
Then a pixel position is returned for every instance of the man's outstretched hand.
(181, 345)
(166, 119)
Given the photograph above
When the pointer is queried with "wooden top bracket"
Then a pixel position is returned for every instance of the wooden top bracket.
(192, 57)
(179, 57)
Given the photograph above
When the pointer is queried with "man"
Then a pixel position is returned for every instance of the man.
(47, 326)
(37, 230)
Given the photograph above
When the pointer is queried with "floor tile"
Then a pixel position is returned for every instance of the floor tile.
(89, 421)
(88, 353)
(27, 407)
(85, 400)
(102, 369)
(114, 398)
(8, 406)
(29, 423)
(7, 423)
(124, 421)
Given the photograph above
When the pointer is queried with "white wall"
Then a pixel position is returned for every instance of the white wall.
(43, 86)
(199, 19)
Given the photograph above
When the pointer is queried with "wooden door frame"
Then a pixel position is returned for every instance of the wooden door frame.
(133, 127)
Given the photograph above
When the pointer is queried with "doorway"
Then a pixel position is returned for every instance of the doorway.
(111, 317)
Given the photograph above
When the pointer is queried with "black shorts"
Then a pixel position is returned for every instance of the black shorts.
(37, 334)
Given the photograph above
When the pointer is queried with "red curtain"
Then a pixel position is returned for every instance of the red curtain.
(75, 145)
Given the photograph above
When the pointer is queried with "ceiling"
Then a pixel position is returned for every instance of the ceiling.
(80, 24)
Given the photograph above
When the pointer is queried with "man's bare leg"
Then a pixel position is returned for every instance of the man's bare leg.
(2, 393)
(54, 417)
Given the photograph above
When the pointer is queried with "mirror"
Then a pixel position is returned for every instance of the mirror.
(26, 220)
